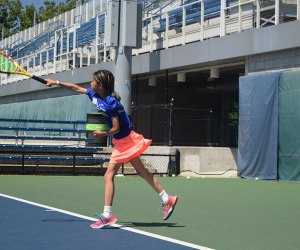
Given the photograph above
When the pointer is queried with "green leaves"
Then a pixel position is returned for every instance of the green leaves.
(14, 17)
(9, 16)
(27, 17)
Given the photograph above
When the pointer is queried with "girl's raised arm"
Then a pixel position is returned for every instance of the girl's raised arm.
(67, 85)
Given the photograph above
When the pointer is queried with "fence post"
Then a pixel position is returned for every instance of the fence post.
(210, 127)
(122, 168)
(151, 121)
(171, 123)
(23, 164)
(74, 164)
(177, 160)
(174, 164)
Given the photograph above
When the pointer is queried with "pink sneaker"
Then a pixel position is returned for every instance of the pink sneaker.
(103, 222)
(169, 207)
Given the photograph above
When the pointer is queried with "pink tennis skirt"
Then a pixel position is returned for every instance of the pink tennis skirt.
(129, 147)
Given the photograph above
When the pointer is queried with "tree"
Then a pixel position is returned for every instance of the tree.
(50, 9)
(10, 11)
(27, 17)
(47, 12)
(14, 17)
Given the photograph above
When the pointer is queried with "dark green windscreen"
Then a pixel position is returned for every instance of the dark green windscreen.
(289, 126)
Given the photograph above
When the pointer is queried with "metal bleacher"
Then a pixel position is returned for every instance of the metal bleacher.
(42, 154)
(70, 43)
(45, 44)
(86, 32)
(57, 160)
(37, 130)
(193, 11)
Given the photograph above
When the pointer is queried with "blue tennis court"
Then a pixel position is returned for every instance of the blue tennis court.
(26, 225)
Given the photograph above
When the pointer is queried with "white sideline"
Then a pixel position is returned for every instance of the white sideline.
(187, 244)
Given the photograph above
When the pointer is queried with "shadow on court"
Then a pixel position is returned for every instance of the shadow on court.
(64, 220)
(149, 224)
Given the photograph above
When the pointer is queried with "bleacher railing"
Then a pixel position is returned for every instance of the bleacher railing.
(187, 23)
(73, 48)
(169, 26)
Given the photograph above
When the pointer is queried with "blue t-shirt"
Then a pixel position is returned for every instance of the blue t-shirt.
(111, 107)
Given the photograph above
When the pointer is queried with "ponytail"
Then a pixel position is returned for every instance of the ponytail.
(116, 95)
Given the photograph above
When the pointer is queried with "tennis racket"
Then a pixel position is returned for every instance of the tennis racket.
(10, 66)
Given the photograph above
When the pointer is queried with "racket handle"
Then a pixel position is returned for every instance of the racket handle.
(39, 79)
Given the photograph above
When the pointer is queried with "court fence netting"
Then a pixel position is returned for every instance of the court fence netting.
(78, 161)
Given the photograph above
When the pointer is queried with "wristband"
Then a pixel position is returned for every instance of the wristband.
(57, 82)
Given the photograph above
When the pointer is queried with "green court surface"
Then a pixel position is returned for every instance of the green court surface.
(233, 214)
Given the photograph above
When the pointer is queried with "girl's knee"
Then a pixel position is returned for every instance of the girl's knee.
(109, 176)
(111, 171)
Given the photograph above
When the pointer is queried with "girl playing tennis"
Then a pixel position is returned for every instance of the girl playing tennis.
(128, 145)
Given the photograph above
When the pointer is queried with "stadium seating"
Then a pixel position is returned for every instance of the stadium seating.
(52, 160)
(58, 154)
(85, 34)
(41, 48)
(50, 154)
(193, 13)
(64, 134)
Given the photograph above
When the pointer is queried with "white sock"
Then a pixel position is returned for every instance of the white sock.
(164, 196)
(107, 212)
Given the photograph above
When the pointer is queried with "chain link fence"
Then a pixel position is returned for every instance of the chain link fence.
(51, 160)
(171, 126)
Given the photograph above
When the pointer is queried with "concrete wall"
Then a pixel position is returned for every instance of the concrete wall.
(277, 60)
(202, 160)
(206, 160)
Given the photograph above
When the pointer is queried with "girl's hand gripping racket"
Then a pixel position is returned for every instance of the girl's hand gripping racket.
(10, 66)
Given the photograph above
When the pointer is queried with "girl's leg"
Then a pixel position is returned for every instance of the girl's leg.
(107, 217)
(144, 173)
(168, 200)
(109, 183)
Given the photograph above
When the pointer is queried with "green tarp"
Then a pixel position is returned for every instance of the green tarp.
(289, 126)
(68, 108)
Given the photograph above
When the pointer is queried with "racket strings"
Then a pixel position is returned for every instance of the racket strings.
(6, 65)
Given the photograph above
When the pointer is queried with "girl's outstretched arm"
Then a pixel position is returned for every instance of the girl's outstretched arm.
(67, 85)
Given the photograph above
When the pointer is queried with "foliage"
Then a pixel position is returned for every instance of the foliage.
(15, 17)
(10, 11)
(27, 17)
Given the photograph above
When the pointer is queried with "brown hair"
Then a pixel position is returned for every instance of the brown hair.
(106, 78)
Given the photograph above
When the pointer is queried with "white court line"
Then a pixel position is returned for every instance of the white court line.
(179, 242)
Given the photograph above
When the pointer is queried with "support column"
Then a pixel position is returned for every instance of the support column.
(127, 39)
(123, 65)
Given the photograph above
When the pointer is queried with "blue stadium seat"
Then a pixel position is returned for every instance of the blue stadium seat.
(193, 13)
(45, 138)
(72, 133)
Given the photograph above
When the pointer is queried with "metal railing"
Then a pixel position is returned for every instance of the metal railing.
(57, 160)
(229, 17)
(65, 54)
